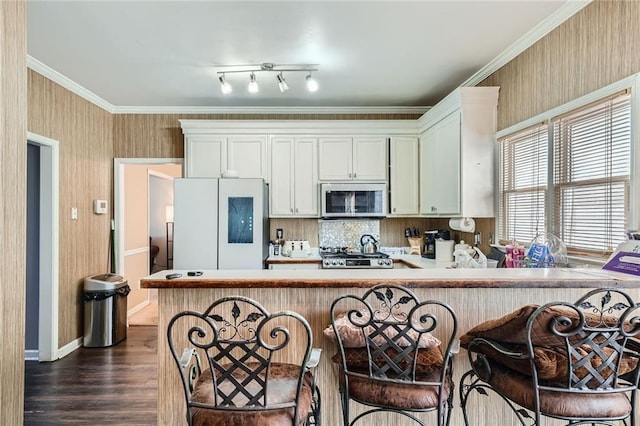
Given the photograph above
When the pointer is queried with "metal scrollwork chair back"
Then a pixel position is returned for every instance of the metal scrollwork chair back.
(389, 358)
(244, 365)
(578, 363)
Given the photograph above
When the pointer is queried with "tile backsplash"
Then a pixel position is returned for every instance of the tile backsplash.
(346, 233)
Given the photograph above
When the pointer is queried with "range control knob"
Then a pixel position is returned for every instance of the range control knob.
(380, 262)
(388, 262)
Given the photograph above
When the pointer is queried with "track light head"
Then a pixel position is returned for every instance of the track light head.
(253, 84)
(225, 87)
(282, 83)
(312, 85)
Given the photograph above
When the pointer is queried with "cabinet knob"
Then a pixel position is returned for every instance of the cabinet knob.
(296, 210)
(355, 175)
(291, 209)
(394, 209)
(434, 209)
(350, 175)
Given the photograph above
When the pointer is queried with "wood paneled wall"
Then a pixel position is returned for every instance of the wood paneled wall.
(85, 133)
(594, 48)
(13, 157)
(160, 135)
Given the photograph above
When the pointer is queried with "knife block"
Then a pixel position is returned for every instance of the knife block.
(416, 245)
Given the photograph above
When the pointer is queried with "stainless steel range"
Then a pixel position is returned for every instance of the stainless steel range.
(342, 259)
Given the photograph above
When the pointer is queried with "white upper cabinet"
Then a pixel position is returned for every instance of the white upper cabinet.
(211, 155)
(370, 158)
(294, 176)
(404, 176)
(306, 177)
(205, 156)
(335, 158)
(248, 155)
(357, 158)
(440, 168)
(457, 154)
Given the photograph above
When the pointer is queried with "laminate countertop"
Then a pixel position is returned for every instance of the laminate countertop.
(409, 277)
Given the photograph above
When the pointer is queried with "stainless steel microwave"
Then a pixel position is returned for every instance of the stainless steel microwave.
(353, 200)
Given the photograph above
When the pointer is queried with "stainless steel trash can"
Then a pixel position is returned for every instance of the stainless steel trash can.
(105, 310)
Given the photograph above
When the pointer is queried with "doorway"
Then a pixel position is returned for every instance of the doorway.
(132, 213)
(41, 316)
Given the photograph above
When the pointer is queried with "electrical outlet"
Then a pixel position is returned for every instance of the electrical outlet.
(477, 238)
(490, 238)
(74, 213)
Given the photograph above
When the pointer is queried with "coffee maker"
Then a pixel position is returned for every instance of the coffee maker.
(430, 238)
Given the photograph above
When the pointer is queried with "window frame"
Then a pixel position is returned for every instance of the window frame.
(630, 83)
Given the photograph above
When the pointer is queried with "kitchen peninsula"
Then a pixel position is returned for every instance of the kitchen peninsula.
(475, 294)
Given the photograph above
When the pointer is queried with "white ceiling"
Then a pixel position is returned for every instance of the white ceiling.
(145, 55)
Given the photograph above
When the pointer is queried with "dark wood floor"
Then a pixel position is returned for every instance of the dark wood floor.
(97, 386)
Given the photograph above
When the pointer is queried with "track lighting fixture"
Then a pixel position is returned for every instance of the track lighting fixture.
(225, 87)
(282, 83)
(312, 85)
(253, 84)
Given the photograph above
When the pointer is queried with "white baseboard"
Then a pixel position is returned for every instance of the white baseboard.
(31, 355)
(137, 308)
(70, 347)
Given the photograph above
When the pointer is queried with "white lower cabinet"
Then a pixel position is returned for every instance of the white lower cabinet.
(404, 176)
(295, 265)
(294, 176)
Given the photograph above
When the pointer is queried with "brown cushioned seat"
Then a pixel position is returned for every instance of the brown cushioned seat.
(550, 356)
(404, 396)
(518, 388)
(283, 379)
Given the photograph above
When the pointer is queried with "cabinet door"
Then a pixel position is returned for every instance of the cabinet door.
(306, 177)
(404, 176)
(335, 159)
(440, 167)
(370, 158)
(280, 189)
(449, 165)
(205, 156)
(247, 155)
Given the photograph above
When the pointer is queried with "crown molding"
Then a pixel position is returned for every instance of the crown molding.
(270, 110)
(566, 11)
(298, 127)
(68, 84)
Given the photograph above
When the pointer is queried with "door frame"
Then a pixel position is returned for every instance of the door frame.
(49, 246)
(118, 199)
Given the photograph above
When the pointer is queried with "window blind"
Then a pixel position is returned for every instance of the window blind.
(523, 178)
(592, 163)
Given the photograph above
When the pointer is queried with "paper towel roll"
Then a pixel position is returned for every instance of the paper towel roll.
(444, 250)
(464, 224)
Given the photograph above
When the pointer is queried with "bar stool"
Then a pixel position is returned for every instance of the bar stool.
(389, 360)
(238, 342)
(571, 361)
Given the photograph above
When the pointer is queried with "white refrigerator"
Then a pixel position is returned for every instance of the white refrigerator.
(220, 223)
